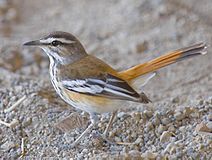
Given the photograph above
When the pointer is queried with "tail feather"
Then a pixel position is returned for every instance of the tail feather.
(164, 60)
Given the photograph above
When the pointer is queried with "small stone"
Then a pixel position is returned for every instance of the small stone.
(68, 138)
(71, 122)
(85, 151)
(149, 126)
(35, 119)
(161, 128)
(138, 141)
(27, 122)
(182, 129)
(188, 111)
(135, 154)
(122, 156)
(209, 125)
(124, 150)
(141, 47)
(203, 128)
(136, 116)
(112, 134)
(170, 147)
(201, 102)
(179, 116)
(134, 135)
(7, 145)
(11, 14)
(117, 139)
(157, 114)
(149, 114)
(210, 117)
(165, 121)
(176, 100)
(210, 100)
(165, 136)
(171, 128)
(120, 114)
(156, 121)
(195, 115)
(80, 156)
(149, 155)
(201, 146)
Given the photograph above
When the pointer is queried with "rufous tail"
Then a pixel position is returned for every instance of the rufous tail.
(162, 61)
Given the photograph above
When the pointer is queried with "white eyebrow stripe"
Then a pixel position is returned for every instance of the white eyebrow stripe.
(63, 40)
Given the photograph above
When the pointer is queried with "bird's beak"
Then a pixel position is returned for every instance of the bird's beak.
(33, 43)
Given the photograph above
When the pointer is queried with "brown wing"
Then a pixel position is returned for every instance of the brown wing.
(93, 77)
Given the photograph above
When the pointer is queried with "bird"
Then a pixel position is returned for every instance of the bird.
(89, 84)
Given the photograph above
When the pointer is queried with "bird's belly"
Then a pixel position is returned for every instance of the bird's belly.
(92, 104)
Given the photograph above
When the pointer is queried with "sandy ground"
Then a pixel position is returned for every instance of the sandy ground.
(177, 125)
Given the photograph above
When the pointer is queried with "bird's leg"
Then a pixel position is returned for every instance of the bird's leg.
(94, 120)
(105, 133)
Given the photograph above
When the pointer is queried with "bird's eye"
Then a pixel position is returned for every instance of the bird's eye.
(56, 43)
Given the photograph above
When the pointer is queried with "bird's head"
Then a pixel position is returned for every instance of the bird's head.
(61, 46)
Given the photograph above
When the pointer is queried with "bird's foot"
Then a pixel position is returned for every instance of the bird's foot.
(109, 141)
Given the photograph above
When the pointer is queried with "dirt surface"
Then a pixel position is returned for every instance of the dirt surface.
(177, 125)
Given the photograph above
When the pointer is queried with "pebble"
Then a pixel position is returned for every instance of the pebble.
(156, 121)
(117, 139)
(148, 113)
(165, 121)
(27, 122)
(11, 14)
(201, 102)
(182, 129)
(166, 136)
(35, 119)
(188, 110)
(68, 138)
(7, 145)
(149, 126)
(157, 114)
(134, 154)
(161, 128)
(210, 100)
(85, 151)
(210, 117)
(171, 128)
(123, 116)
(202, 127)
(112, 134)
(80, 156)
(136, 116)
(138, 140)
(179, 116)
(141, 47)
(133, 135)
(149, 155)
(170, 148)
(176, 100)
(209, 125)
(195, 115)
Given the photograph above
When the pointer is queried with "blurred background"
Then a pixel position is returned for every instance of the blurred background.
(123, 33)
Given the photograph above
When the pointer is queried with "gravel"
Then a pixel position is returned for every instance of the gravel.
(177, 125)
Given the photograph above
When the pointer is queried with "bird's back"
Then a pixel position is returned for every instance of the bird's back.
(87, 67)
